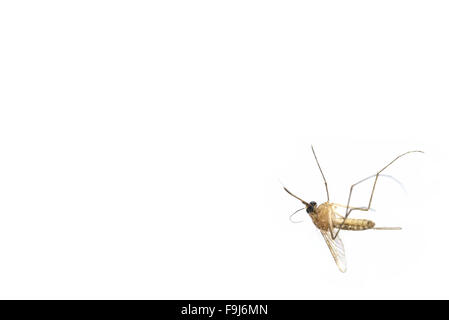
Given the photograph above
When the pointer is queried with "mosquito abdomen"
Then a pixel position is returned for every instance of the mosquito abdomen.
(354, 224)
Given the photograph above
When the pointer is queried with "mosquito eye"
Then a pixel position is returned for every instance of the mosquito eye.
(311, 207)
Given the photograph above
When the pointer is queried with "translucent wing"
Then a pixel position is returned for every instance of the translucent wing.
(337, 249)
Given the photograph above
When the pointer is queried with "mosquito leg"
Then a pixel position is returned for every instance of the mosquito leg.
(344, 206)
(331, 227)
(349, 209)
(372, 176)
(387, 228)
(339, 215)
(319, 167)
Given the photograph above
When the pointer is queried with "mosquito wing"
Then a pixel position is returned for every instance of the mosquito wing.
(337, 249)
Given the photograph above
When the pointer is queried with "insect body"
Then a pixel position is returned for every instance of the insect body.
(355, 224)
(324, 217)
(330, 222)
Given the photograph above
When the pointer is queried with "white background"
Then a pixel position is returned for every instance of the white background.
(143, 145)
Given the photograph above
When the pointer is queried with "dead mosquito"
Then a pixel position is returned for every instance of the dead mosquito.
(329, 222)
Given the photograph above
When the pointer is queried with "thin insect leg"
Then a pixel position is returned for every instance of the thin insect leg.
(349, 210)
(325, 182)
(338, 215)
(387, 228)
(363, 180)
(331, 227)
(344, 206)
(384, 175)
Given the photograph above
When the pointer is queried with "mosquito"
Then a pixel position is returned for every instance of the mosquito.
(330, 222)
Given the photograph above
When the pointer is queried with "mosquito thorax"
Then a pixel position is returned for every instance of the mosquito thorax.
(312, 206)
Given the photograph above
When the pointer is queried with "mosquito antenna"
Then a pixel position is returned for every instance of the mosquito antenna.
(291, 216)
(319, 167)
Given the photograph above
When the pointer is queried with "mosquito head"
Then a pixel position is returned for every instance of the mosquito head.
(311, 207)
